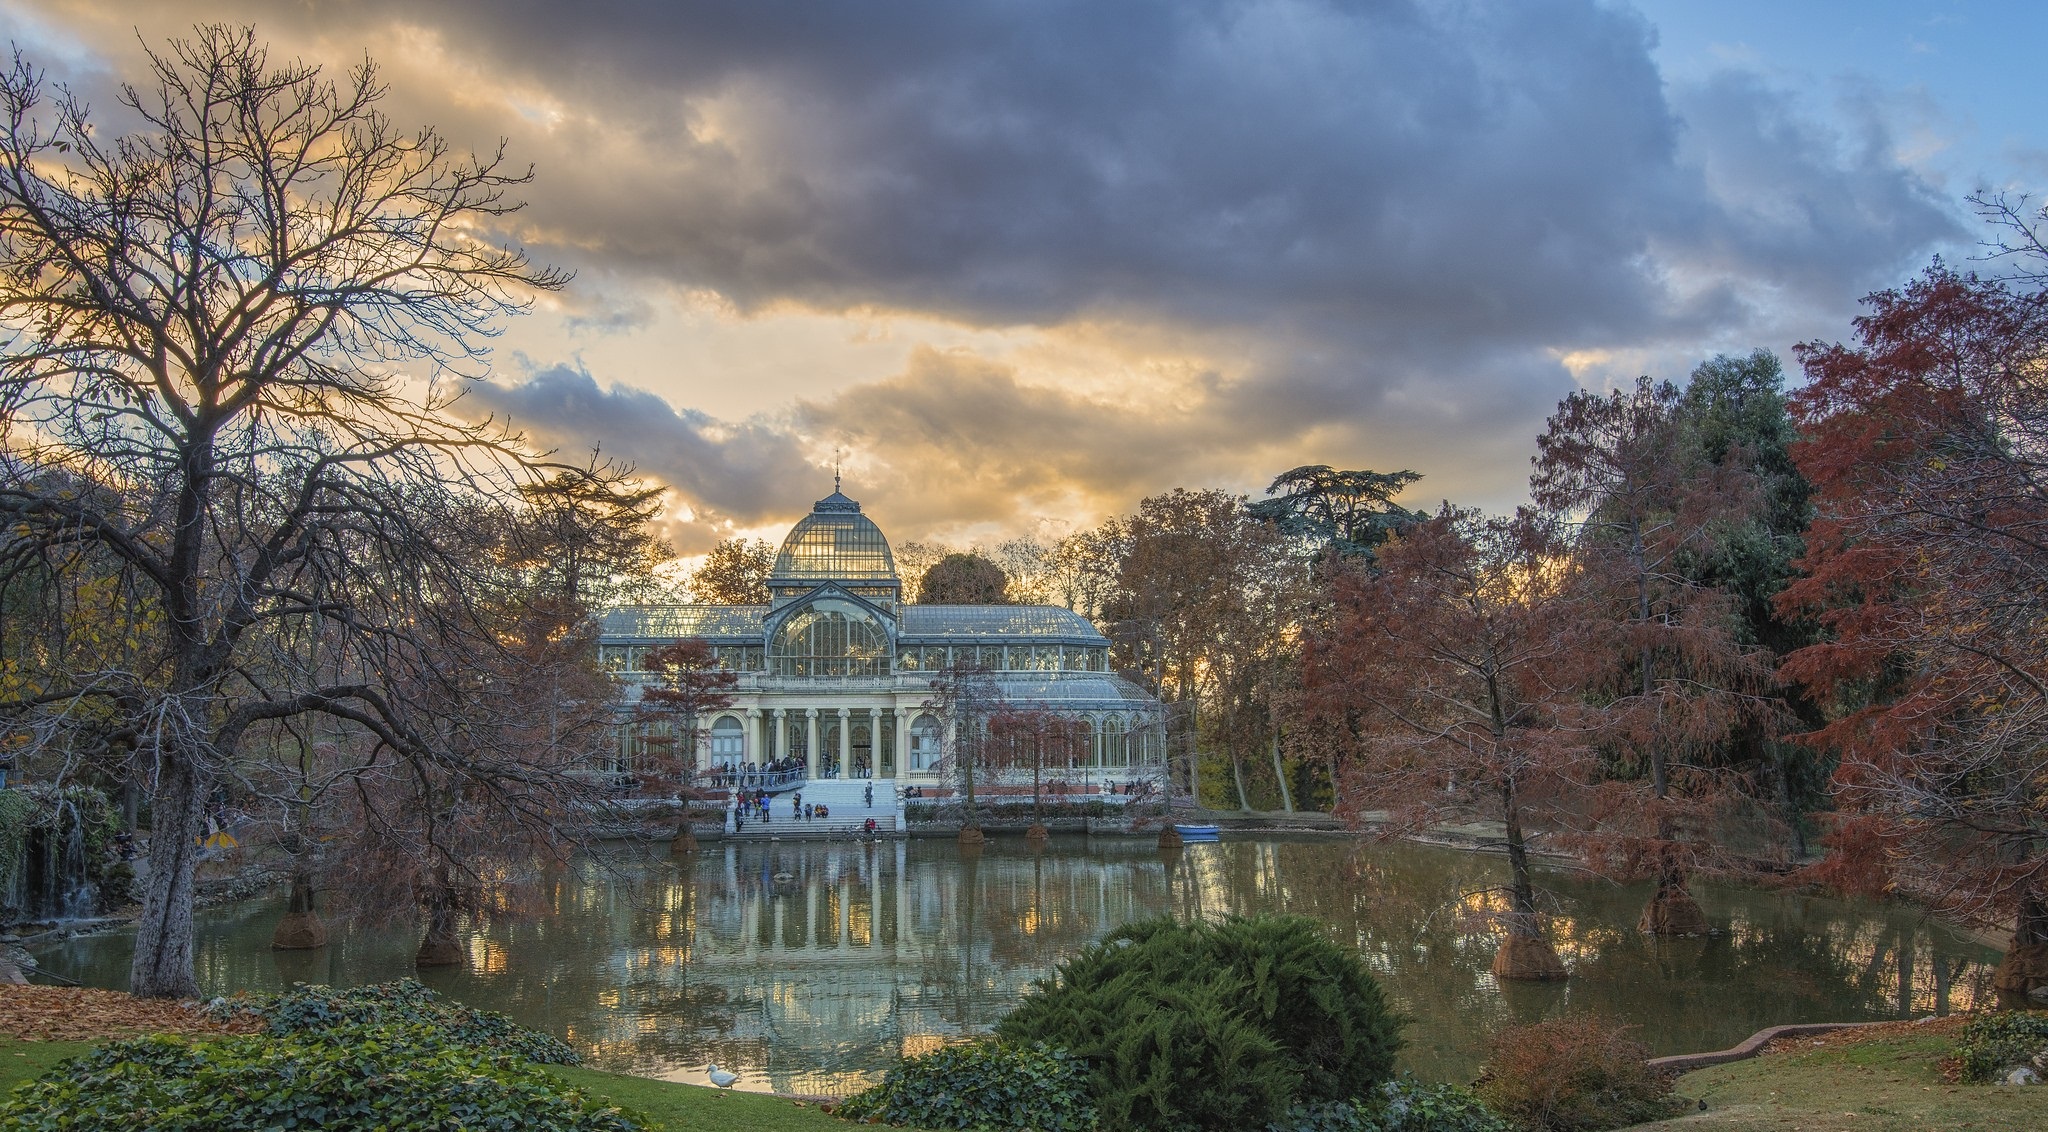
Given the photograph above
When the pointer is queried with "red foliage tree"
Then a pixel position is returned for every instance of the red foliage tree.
(688, 685)
(1022, 736)
(1450, 672)
(1672, 680)
(1927, 562)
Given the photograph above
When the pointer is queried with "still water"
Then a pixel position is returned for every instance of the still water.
(811, 967)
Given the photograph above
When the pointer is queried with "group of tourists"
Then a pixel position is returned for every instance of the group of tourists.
(748, 774)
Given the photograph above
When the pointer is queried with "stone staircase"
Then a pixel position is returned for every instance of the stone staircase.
(844, 797)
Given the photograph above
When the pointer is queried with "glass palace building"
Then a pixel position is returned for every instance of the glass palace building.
(835, 672)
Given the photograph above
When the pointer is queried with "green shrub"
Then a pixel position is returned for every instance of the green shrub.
(1572, 1075)
(1405, 1105)
(344, 1077)
(308, 1009)
(1408, 1105)
(984, 1085)
(1225, 1025)
(1993, 1043)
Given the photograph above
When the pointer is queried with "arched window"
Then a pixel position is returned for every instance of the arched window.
(830, 638)
(1114, 752)
(728, 740)
(924, 743)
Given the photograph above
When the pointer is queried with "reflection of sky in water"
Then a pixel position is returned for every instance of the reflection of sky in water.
(809, 967)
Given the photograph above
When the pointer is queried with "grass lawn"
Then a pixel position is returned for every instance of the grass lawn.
(26, 1061)
(671, 1107)
(1889, 1084)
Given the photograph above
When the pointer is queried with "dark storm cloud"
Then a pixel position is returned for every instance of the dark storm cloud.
(729, 472)
(1406, 212)
(1510, 170)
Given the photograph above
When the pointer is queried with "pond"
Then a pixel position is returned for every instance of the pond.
(811, 967)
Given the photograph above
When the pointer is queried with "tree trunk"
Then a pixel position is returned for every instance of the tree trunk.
(162, 967)
(1672, 911)
(2022, 976)
(1237, 774)
(1783, 774)
(300, 929)
(440, 948)
(1280, 776)
(1524, 955)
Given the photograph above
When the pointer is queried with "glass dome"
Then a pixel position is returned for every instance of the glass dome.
(834, 543)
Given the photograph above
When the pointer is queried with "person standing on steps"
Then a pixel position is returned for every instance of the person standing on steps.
(868, 795)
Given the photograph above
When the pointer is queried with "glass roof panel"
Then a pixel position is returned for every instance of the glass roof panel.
(675, 622)
(997, 622)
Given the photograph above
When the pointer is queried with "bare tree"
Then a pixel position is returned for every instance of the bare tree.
(244, 322)
(965, 697)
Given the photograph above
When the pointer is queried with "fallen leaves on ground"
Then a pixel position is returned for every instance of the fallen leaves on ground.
(1945, 1026)
(80, 1014)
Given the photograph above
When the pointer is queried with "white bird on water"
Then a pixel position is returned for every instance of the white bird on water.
(720, 1077)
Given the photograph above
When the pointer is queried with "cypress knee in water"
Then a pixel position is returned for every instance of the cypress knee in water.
(300, 929)
(1528, 958)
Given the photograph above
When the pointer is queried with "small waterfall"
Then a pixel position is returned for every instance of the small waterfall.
(51, 879)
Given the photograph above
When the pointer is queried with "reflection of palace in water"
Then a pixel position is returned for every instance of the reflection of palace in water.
(810, 966)
(826, 959)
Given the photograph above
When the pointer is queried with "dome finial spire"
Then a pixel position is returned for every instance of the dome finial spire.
(838, 464)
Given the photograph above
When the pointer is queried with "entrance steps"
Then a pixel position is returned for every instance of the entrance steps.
(845, 798)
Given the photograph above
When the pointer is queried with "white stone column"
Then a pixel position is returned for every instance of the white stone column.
(902, 751)
(811, 742)
(845, 744)
(778, 718)
(754, 750)
(874, 742)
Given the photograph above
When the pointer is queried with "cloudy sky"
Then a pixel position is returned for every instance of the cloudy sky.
(1018, 265)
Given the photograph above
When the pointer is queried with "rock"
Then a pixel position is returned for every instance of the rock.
(971, 835)
(1037, 833)
(1169, 838)
(10, 975)
(1528, 958)
(2022, 1076)
(685, 842)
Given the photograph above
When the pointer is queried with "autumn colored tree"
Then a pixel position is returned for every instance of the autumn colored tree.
(1734, 411)
(1022, 736)
(1926, 441)
(735, 572)
(686, 686)
(460, 824)
(228, 319)
(963, 579)
(1202, 611)
(1679, 680)
(1450, 673)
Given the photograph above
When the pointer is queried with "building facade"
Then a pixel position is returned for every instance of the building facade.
(835, 673)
